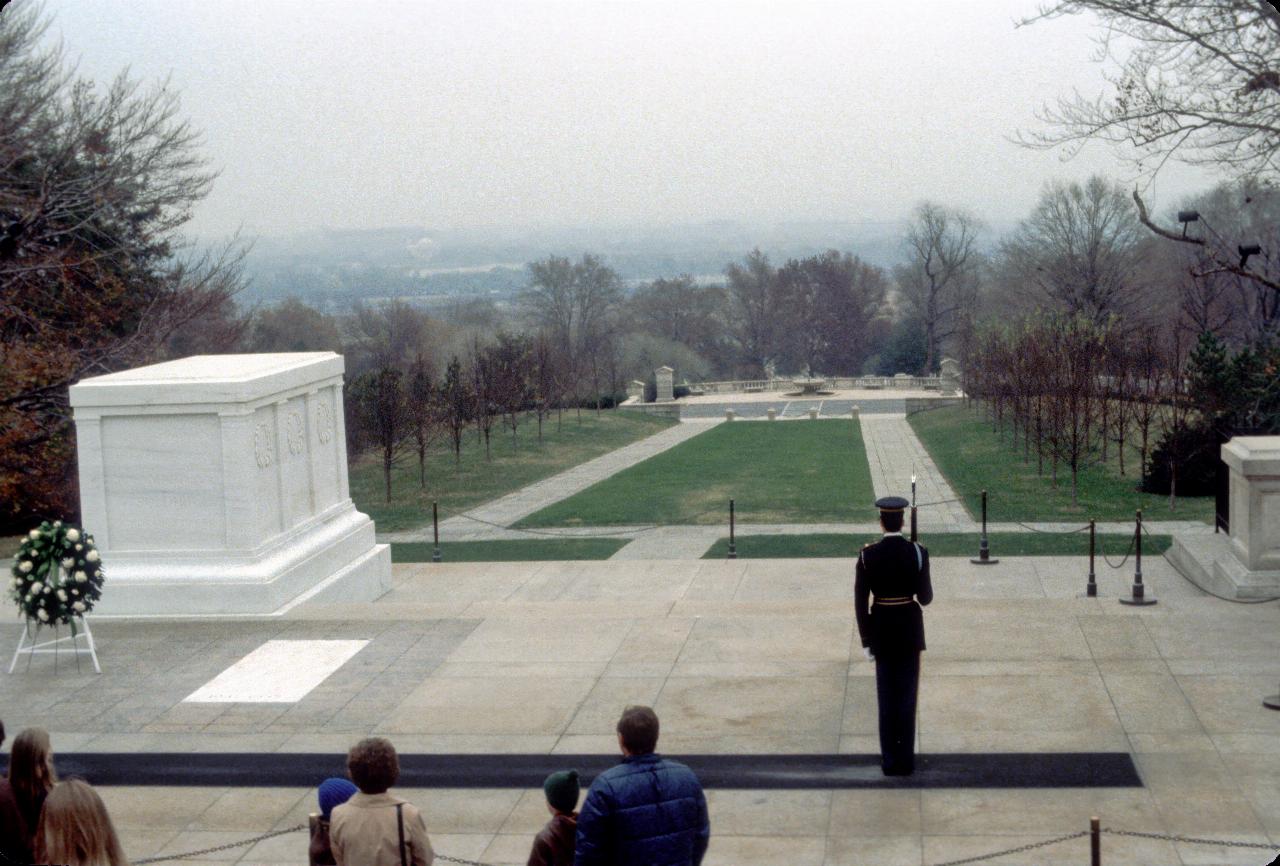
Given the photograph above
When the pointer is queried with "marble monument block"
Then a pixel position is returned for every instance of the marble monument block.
(665, 378)
(1246, 563)
(217, 484)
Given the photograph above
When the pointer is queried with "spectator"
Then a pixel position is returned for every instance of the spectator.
(30, 778)
(553, 846)
(15, 838)
(332, 793)
(374, 828)
(76, 830)
(647, 811)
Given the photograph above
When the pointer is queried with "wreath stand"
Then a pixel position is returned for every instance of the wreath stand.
(30, 645)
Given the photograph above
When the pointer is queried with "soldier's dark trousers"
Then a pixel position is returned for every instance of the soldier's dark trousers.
(897, 683)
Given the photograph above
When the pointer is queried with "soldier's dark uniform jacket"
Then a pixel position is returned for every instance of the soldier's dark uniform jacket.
(892, 569)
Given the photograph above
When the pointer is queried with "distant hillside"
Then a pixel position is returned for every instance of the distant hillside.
(333, 267)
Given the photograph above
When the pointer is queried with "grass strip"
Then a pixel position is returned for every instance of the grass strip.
(509, 550)
(972, 458)
(1001, 544)
(780, 472)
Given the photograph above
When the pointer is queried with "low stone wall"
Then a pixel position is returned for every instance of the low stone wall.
(922, 404)
(666, 410)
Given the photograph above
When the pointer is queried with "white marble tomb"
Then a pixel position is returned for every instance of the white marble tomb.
(217, 484)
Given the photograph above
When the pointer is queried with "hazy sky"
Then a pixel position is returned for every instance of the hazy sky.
(364, 114)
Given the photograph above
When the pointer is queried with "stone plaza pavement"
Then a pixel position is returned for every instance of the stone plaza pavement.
(737, 657)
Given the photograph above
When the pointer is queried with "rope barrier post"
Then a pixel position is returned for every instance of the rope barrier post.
(1095, 841)
(984, 552)
(1139, 591)
(733, 546)
(1091, 589)
(435, 531)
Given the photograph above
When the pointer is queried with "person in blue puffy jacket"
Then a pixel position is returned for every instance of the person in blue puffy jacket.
(648, 810)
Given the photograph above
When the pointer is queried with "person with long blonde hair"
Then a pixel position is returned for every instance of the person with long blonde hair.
(76, 830)
(31, 775)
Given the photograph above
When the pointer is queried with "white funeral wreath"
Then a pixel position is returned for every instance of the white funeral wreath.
(57, 574)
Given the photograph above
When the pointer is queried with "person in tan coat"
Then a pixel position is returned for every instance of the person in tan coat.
(374, 828)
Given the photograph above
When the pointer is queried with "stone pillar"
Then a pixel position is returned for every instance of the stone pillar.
(950, 372)
(665, 377)
(1254, 462)
(728, 414)
(635, 390)
(813, 414)
(773, 414)
(1245, 564)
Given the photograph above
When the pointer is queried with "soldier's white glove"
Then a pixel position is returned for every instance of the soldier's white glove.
(866, 651)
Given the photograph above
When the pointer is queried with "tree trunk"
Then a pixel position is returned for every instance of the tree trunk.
(422, 465)
(386, 473)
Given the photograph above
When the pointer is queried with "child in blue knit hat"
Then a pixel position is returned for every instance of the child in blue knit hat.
(332, 793)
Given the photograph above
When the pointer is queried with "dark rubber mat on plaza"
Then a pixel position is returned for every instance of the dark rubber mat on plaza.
(300, 770)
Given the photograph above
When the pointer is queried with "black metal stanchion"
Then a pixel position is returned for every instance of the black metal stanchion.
(1272, 702)
(733, 546)
(435, 531)
(915, 535)
(1095, 841)
(984, 551)
(1139, 591)
(1091, 589)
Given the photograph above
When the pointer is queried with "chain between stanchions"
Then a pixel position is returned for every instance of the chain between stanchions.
(1031, 846)
(939, 502)
(1132, 541)
(1052, 531)
(1192, 840)
(227, 847)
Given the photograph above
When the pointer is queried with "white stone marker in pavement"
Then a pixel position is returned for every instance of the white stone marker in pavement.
(1245, 564)
(217, 484)
(278, 672)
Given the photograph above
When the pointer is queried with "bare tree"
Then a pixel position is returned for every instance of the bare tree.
(455, 402)
(1079, 248)
(422, 412)
(381, 407)
(753, 311)
(1199, 84)
(940, 278)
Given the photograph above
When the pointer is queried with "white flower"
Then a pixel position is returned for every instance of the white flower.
(48, 588)
(92, 556)
(62, 595)
(79, 547)
(78, 607)
(24, 567)
(34, 534)
(57, 524)
(81, 577)
(73, 535)
(67, 562)
(43, 614)
(75, 591)
(37, 586)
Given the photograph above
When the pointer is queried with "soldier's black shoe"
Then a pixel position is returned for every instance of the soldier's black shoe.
(899, 771)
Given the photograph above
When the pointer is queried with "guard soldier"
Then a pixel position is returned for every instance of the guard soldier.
(896, 572)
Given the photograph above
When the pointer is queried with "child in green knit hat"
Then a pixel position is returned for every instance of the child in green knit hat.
(553, 846)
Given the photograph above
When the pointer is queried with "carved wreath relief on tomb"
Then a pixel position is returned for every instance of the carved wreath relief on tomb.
(263, 447)
(294, 433)
(324, 423)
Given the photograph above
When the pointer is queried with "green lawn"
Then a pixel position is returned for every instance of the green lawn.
(780, 472)
(514, 550)
(1001, 544)
(478, 480)
(972, 458)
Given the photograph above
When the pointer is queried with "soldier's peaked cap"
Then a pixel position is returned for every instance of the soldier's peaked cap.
(892, 503)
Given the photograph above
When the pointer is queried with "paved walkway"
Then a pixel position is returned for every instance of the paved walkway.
(894, 453)
(737, 658)
(515, 506)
